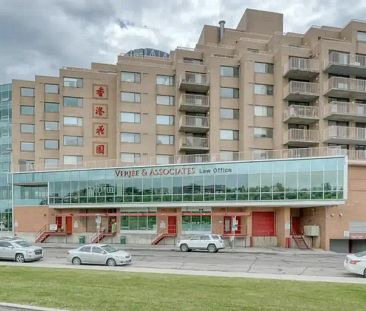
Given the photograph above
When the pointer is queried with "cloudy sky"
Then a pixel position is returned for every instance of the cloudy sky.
(38, 37)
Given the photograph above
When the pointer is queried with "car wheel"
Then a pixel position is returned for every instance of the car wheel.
(111, 262)
(212, 248)
(76, 261)
(19, 258)
(184, 248)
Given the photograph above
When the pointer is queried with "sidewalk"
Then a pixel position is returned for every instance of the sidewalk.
(171, 248)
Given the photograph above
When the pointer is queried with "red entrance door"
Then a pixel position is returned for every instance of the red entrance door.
(59, 222)
(172, 224)
(295, 226)
(69, 224)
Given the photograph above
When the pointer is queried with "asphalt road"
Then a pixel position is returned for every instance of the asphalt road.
(307, 264)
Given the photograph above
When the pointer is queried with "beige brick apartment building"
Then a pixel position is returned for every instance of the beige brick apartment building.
(250, 93)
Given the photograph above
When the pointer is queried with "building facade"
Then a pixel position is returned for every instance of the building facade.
(245, 94)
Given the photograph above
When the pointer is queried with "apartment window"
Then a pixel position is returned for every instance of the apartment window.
(73, 82)
(165, 139)
(51, 107)
(27, 128)
(165, 80)
(263, 111)
(227, 113)
(263, 132)
(73, 160)
(73, 102)
(361, 36)
(164, 120)
(165, 100)
(132, 77)
(51, 126)
(73, 140)
(229, 71)
(51, 163)
(27, 110)
(229, 135)
(229, 155)
(263, 67)
(51, 88)
(51, 144)
(132, 138)
(130, 117)
(26, 146)
(73, 121)
(131, 97)
(26, 92)
(339, 57)
(228, 92)
(127, 157)
(164, 159)
(263, 89)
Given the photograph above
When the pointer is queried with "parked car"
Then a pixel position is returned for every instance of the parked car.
(356, 263)
(102, 254)
(210, 242)
(14, 248)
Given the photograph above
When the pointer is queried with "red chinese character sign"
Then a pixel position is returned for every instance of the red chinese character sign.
(100, 91)
(100, 149)
(100, 111)
(100, 130)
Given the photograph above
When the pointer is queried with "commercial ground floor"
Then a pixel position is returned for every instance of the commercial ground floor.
(310, 202)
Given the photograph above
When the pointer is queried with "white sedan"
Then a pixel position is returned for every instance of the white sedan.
(98, 254)
(210, 242)
(356, 263)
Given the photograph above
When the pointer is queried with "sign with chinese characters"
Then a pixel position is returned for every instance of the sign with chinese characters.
(100, 111)
(100, 129)
(100, 91)
(100, 149)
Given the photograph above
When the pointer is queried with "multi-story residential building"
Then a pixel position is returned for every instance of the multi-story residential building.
(246, 94)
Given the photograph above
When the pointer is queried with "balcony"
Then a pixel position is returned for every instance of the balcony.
(301, 68)
(346, 87)
(344, 111)
(190, 143)
(345, 135)
(301, 114)
(301, 91)
(346, 64)
(194, 82)
(301, 138)
(194, 124)
(194, 103)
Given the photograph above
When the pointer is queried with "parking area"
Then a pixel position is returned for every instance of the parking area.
(305, 263)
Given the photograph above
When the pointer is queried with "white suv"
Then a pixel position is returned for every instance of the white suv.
(210, 242)
(19, 250)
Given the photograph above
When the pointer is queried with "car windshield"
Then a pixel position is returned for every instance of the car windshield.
(23, 243)
(360, 254)
(109, 249)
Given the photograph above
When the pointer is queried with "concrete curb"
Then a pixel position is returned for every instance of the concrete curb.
(26, 307)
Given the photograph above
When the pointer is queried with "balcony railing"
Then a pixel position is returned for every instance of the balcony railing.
(346, 64)
(301, 112)
(345, 133)
(298, 90)
(339, 86)
(299, 67)
(194, 121)
(191, 142)
(193, 102)
(300, 135)
(195, 78)
(345, 109)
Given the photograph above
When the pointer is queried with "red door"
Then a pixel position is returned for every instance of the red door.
(172, 224)
(68, 224)
(59, 222)
(263, 224)
(295, 226)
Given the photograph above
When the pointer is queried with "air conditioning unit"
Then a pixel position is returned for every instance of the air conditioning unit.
(311, 230)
